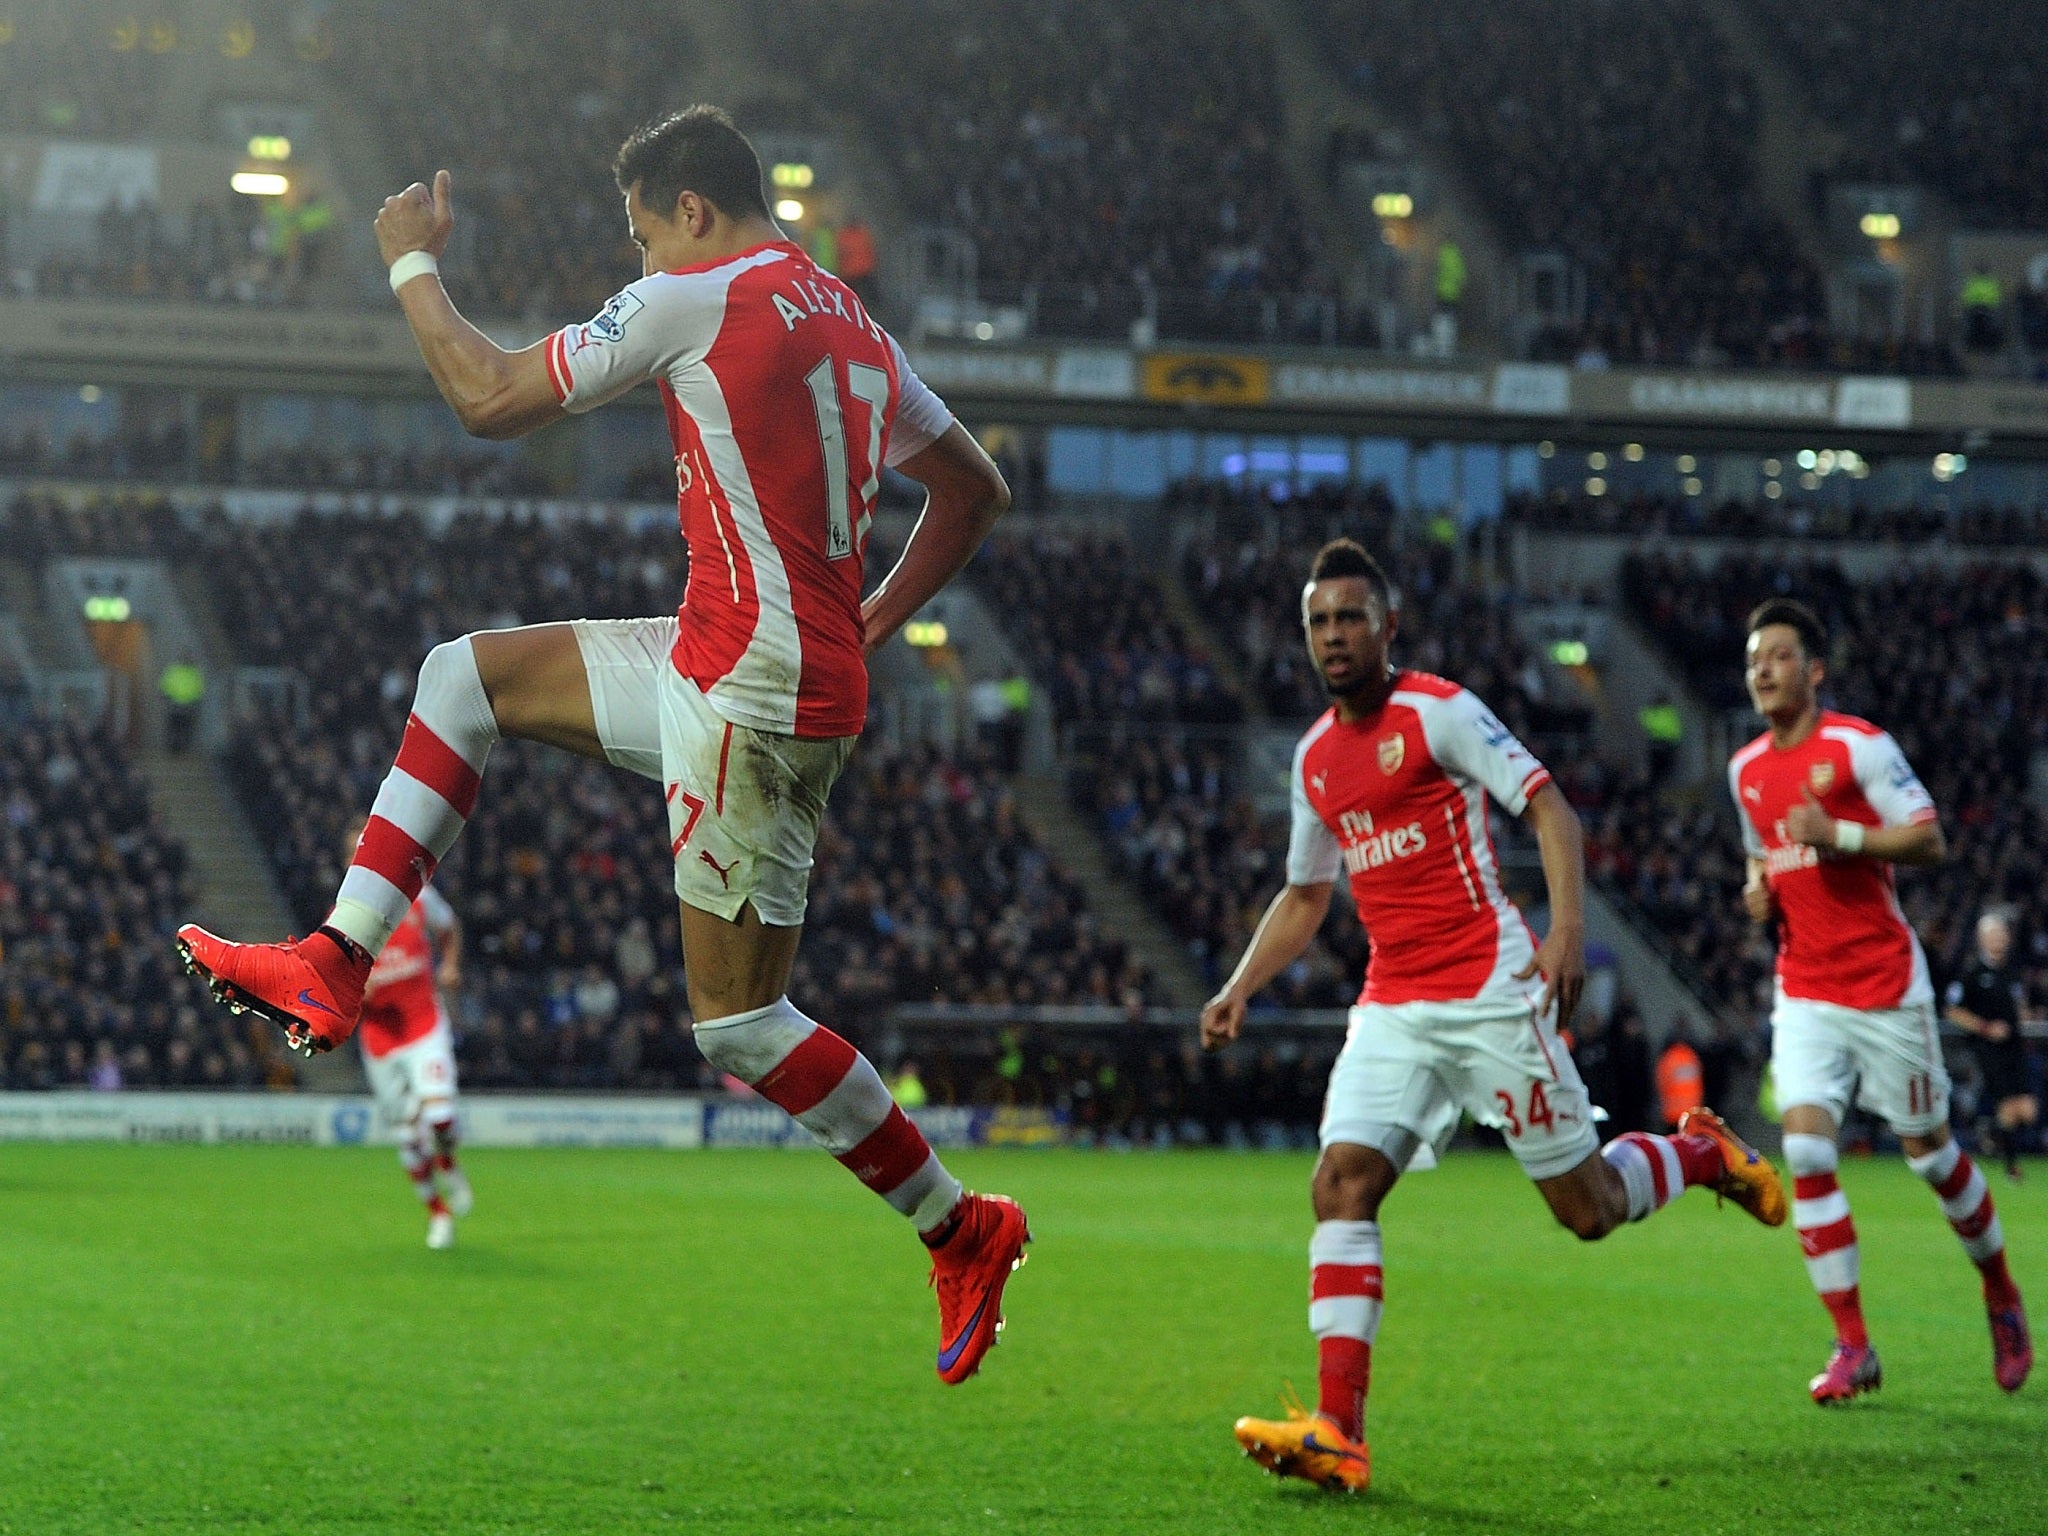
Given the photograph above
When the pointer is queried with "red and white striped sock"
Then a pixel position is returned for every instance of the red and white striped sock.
(1655, 1170)
(445, 1138)
(1345, 1294)
(423, 802)
(1966, 1202)
(1827, 1233)
(418, 1161)
(834, 1092)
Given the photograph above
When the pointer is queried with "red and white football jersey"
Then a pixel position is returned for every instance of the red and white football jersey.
(1398, 802)
(1841, 936)
(400, 1004)
(784, 401)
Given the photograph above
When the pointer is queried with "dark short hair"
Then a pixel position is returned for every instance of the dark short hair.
(1813, 635)
(1347, 557)
(700, 150)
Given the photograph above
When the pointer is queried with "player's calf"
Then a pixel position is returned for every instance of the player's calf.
(834, 1092)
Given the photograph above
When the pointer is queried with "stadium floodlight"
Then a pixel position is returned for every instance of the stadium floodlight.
(790, 209)
(1596, 486)
(1393, 205)
(260, 183)
(1570, 653)
(793, 174)
(926, 635)
(108, 610)
(1693, 485)
(1880, 226)
(270, 146)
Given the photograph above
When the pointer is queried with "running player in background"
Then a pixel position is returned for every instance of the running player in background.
(1828, 804)
(785, 400)
(1461, 1008)
(1988, 1001)
(409, 1054)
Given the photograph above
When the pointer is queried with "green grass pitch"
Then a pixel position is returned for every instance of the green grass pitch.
(240, 1339)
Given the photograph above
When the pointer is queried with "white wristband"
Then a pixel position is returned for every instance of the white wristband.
(1849, 836)
(411, 265)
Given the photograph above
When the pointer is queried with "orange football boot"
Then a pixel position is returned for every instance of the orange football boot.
(1308, 1446)
(1750, 1181)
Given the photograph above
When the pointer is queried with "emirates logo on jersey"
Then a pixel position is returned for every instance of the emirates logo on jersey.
(1821, 777)
(1393, 752)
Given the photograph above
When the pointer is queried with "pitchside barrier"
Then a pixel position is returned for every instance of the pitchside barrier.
(682, 1121)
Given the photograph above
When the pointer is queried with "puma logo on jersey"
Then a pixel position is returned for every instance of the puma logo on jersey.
(1751, 792)
(724, 870)
(1320, 781)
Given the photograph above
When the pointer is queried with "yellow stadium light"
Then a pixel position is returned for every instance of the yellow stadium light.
(1596, 460)
(108, 610)
(789, 209)
(1692, 485)
(1879, 226)
(1569, 653)
(126, 33)
(1633, 452)
(1393, 205)
(260, 183)
(161, 38)
(1687, 464)
(270, 146)
(792, 174)
(926, 635)
(237, 40)
(1596, 486)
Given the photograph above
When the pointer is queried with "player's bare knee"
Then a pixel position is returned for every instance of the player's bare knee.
(1350, 1183)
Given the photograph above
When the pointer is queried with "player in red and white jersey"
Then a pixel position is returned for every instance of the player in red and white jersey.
(784, 400)
(1828, 804)
(1461, 1007)
(409, 1055)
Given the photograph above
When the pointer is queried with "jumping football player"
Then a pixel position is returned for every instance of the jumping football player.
(784, 400)
(1828, 804)
(1461, 1008)
(409, 1055)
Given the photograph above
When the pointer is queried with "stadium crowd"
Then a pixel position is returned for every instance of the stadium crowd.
(528, 126)
(1103, 154)
(1954, 101)
(1734, 517)
(91, 889)
(209, 253)
(1624, 136)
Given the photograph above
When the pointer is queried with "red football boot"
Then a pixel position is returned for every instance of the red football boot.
(311, 988)
(969, 1271)
(2012, 1351)
(1852, 1371)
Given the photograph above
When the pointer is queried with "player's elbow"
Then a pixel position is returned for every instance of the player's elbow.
(1934, 845)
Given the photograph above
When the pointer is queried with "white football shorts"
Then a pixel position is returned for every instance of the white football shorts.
(405, 1080)
(1407, 1069)
(1888, 1059)
(743, 805)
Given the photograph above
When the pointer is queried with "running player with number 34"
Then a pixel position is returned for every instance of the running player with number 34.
(784, 401)
(1461, 1008)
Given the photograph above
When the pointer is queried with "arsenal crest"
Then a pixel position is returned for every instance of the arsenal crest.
(1392, 750)
(1822, 777)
